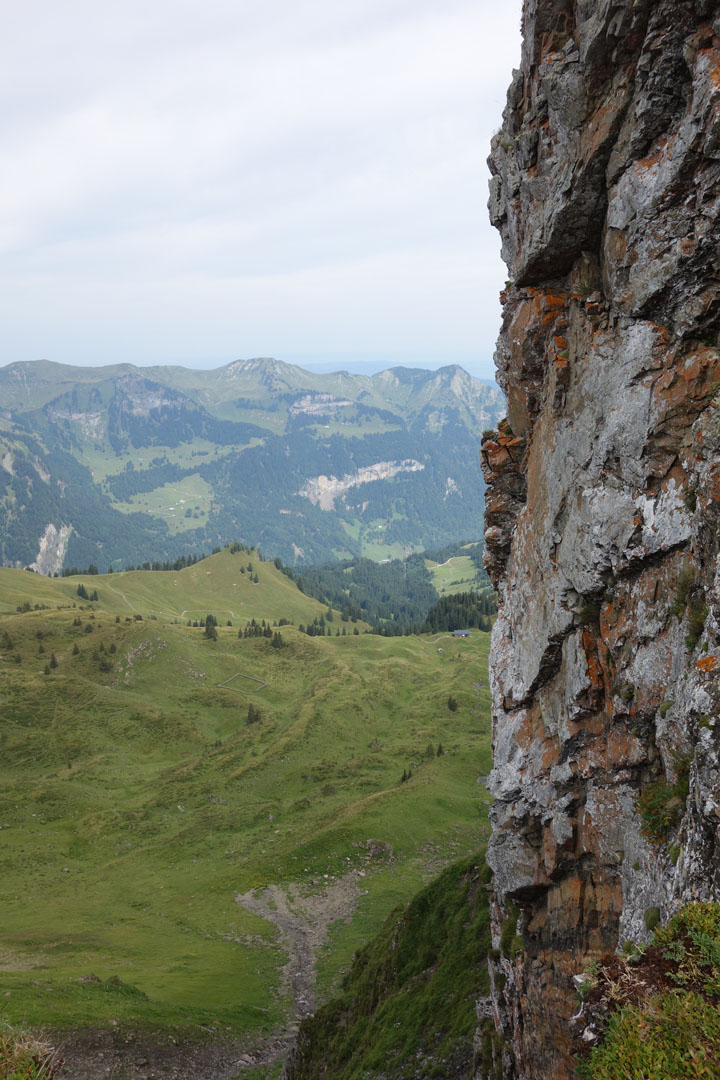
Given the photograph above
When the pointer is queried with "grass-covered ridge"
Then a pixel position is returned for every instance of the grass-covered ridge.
(407, 1006)
(223, 583)
(137, 802)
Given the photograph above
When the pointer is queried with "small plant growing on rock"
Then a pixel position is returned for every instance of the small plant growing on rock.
(589, 614)
(587, 980)
(651, 918)
(661, 804)
(511, 943)
(685, 582)
(696, 622)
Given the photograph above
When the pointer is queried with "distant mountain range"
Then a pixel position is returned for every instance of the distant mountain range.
(117, 465)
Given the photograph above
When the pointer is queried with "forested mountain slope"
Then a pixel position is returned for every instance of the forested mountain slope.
(120, 465)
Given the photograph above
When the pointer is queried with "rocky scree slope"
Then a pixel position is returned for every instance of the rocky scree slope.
(603, 504)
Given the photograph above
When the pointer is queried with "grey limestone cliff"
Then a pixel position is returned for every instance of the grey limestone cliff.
(603, 505)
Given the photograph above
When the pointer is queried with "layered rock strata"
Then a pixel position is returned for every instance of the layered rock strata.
(603, 502)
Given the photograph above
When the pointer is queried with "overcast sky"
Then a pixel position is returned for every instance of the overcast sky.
(194, 182)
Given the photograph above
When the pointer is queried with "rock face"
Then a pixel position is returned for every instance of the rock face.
(51, 552)
(603, 506)
(322, 491)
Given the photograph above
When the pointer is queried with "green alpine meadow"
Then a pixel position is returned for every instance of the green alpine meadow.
(205, 810)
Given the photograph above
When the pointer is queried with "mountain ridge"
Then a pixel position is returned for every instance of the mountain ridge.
(184, 459)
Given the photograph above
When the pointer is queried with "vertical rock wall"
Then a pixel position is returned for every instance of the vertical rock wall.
(603, 505)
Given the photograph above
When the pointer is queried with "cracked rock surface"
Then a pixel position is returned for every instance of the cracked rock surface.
(603, 501)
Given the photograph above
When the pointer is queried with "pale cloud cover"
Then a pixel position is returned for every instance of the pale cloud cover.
(191, 183)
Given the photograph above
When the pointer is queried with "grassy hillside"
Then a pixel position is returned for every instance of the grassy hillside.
(137, 803)
(458, 574)
(407, 1006)
(220, 584)
(457, 568)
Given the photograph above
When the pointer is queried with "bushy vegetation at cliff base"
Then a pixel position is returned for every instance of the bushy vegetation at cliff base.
(407, 1006)
(662, 1003)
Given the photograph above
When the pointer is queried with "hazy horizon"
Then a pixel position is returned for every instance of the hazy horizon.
(186, 184)
(352, 367)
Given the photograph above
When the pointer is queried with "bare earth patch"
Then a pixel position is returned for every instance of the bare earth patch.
(304, 920)
(12, 961)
